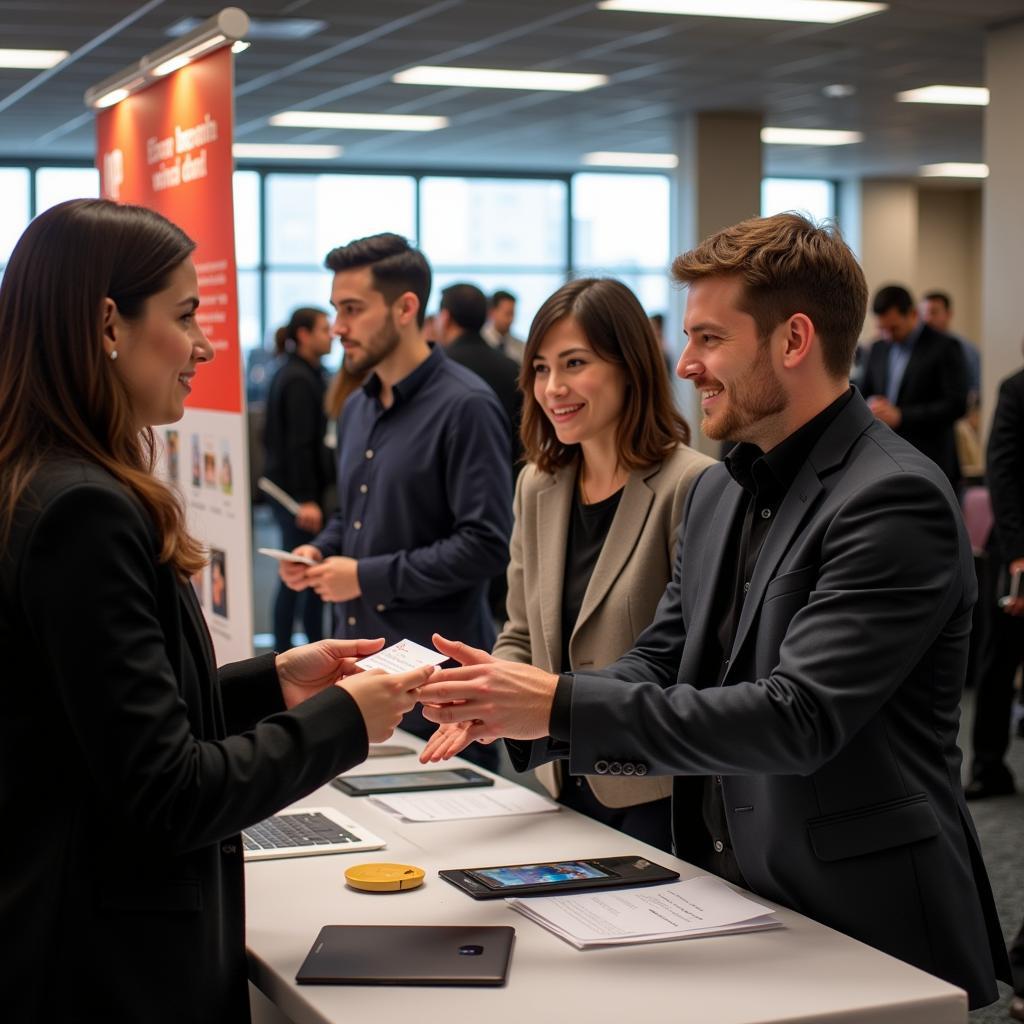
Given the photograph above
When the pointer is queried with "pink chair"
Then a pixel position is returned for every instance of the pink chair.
(977, 509)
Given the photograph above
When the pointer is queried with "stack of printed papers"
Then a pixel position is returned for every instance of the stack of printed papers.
(461, 804)
(662, 913)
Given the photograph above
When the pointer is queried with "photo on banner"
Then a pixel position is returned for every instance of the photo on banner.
(168, 147)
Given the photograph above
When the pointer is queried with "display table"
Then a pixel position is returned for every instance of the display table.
(803, 972)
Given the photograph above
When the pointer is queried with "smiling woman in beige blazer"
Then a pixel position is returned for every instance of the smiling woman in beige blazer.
(597, 509)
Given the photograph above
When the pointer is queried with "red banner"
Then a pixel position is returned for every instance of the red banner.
(168, 147)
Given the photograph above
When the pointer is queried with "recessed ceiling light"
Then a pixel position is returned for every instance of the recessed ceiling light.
(809, 137)
(358, 122)
(829, 12)
(31, 58)
(965, 95)
(270, 151)
(839, 91)
(954, 171)
(260, 28)
(495, 78)
(608, 159)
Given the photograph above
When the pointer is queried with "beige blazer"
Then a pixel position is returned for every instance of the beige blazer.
(631, 573)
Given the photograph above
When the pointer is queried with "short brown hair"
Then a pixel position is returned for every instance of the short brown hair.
(789, 265)
(618, 330)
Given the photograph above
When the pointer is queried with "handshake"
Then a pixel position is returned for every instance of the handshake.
(482, 699)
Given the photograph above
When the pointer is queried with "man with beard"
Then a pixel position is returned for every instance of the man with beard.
(424, 480)
(808, 656)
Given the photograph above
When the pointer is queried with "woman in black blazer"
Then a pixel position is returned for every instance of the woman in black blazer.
(128, 765)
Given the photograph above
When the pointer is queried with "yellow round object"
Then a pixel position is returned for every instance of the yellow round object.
(384, 877)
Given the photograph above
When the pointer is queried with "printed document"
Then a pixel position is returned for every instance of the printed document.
(462, 804)
(661, 913)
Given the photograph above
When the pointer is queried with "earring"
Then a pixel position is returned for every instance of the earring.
(113, 353)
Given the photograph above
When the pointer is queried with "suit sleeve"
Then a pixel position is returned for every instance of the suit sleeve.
(478, 481)
(947, 400)
(108, 659)
(513, 643)
(250, 690)
(890, 577)
(1005, 468)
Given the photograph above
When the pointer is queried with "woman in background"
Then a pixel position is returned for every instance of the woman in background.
(128, 763)
(296, 458)
(597, 511)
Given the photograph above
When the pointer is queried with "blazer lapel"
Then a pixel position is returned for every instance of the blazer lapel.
(554, 504)
(627, 526)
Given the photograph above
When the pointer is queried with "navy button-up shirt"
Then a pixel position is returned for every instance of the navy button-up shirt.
(425, 505)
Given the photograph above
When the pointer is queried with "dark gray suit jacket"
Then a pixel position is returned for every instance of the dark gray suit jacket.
(835, 729)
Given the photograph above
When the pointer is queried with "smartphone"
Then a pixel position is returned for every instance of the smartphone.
(1014, 591)
(286, 556)
(410, 782)
(557, 877)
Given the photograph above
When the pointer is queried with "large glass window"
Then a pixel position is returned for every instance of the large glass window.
(248, 229)
(812, 196)
(56, 184)
(14, 211)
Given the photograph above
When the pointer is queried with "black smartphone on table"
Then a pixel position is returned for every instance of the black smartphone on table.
(410, 782)
(557, 876)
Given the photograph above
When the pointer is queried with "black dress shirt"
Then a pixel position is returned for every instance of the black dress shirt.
(765, 479)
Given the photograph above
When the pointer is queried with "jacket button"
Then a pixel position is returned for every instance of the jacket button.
(351, 620)
(615, 768)
(229, 848)
(719, 846)
(369, 453)
(601, 767)
(382, 608)
(641, 769)
(628, 769)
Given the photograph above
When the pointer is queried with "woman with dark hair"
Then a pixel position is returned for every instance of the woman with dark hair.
(296, 458)
(128, 764)
(597, 510)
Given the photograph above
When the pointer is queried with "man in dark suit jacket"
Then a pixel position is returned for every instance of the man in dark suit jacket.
(808, 656)
(1004, 474)
(915, 379)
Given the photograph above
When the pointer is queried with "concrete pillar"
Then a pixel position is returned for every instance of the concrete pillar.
(1002, 325)
(717, 183)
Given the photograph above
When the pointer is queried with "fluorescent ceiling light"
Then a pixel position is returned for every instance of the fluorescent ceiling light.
(965, 95)
(269, 151)
(358, 122)
(494, 78)
(31, 58)
(240, 46)
(607, 159)
(827, 12)
(808, 137)
(954, 171)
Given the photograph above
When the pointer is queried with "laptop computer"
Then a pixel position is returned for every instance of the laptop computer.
(307, 831)
(409, 955)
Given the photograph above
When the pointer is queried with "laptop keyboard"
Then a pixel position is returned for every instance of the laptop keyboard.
(288, 831)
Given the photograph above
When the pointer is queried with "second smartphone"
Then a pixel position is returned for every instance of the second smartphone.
(410, 782)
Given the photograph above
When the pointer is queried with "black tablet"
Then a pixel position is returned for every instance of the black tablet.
(410, 782)
(408, 955)
(557, 876)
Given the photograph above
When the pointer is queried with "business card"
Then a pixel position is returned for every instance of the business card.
(402, 657)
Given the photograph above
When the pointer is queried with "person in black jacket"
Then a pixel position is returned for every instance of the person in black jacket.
(915, 379)
(297, 460)
(1004, 474)
(128, 762)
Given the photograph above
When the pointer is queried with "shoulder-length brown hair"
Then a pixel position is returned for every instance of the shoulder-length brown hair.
(58, 391)
(618, 330)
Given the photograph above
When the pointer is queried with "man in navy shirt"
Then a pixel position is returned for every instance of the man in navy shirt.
(424, 469)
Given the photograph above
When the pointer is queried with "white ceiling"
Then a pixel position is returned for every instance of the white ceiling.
(660, 68)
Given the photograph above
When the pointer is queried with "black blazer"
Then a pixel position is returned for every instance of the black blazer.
(932, 395)
(127, 768)
(500, 372)
(834, 732)
(293, 436)
(1004, 470)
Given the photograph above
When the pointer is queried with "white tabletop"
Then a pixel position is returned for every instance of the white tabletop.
(803, 972)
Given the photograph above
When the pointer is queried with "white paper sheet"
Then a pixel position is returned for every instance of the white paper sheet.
(402, 657)
(461, 804)
(680, 910)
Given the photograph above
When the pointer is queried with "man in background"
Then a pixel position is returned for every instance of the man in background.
(424, 484)
(915, 380)
(937, 312)
(497, 332)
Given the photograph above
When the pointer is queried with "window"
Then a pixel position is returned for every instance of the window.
(812, 196)
(14, 211)
(56, 184)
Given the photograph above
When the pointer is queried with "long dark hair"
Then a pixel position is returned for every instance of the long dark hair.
(618, 330)
(57, 389)
(303, 317)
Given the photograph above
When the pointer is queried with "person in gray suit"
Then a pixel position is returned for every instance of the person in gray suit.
(808, 656)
